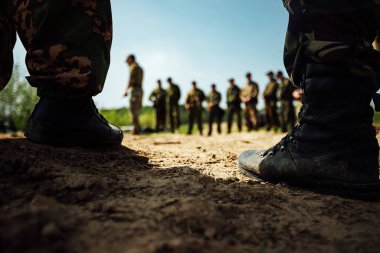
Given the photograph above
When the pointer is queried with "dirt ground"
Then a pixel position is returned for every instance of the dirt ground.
(167, 193)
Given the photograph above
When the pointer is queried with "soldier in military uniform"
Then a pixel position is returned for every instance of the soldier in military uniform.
(249, 96)
(330, 56)
(193, 104)
(62, 66)
(173, 95)
(215, 112)
(233, 105)
(270, 97)
(135, 85)
(158, 97)
(285, 95)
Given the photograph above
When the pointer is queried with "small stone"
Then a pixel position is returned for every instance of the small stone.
(51, 230)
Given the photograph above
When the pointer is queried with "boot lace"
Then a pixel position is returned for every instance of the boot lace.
(283, 144)
(289, 138)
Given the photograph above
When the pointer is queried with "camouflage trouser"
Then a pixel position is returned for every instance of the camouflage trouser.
(174, 116)
(215, 114)
(135, 106)
(231, 110)
(251, 115)
(67, 43)
(195, 114)
(271, 116)
(287, 115)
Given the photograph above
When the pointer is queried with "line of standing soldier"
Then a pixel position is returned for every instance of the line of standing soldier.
(277, 90)
(166, 101)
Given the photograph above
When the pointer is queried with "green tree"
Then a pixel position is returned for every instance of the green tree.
(17, 100)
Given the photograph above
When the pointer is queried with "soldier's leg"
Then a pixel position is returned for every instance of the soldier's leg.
(158, 119)
(268, 116)
(334, 148)
(191, 121)
(211, 119)
(171, 117)
(283, 116)
(239, 119)
(291, 115)
(7, 41)
(178, 124)
(248, 118)
(135, 116)
(60, 38)
(200, 121)
(163, 119)
(229, 119)
(219, 117)
(254, 117)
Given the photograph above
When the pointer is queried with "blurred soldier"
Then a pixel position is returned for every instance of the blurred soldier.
(158, 97)
(285, 94)
(215, 112)
(270, 97)
(68, 54)
(135, 84)
(233, 103)
(173, 95)
(194, 102)
(329, 54)
(248, 96)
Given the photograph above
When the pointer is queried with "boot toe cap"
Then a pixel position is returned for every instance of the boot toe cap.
(249, 161)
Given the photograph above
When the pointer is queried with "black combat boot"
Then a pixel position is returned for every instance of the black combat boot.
(71, 122)
(334, 149)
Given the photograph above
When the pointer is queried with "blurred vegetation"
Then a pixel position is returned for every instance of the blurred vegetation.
(123, 117)
(17, 101)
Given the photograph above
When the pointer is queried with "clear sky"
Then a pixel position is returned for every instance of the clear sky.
(208, 41)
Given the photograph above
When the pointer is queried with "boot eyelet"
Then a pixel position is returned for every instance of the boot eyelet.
(282, 148)
(271, 154)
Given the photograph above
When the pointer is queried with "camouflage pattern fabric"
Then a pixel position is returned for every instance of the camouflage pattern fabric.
(136, 76)
(158, 97)
(135, 107)
(233, 96)
(333, 32)
(174, 94)
(285, 90)
(214, 98)
(249, 92)
(195, 98)
(270, 92)
(67, 43)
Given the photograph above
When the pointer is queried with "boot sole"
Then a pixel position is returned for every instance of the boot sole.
(370, 191)
(55, 136)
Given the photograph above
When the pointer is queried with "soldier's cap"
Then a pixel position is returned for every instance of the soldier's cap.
(248, 74)
(194, 83)
(169, 79)
(279, 73)
(270, 73)
(231, 80)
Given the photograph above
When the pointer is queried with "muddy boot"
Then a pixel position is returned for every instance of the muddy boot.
(71, 122)
(334, 149)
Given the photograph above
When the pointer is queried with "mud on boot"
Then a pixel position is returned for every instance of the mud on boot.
(334, 149)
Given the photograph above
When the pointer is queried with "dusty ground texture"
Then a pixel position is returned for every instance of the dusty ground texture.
(167, 193)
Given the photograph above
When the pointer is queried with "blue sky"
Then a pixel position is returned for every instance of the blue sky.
(208, 41)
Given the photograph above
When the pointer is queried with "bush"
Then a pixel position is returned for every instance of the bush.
(17, 101)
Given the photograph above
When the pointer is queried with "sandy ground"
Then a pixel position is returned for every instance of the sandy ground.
(167, 193)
